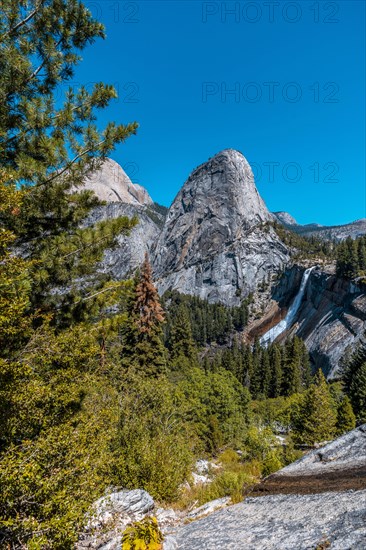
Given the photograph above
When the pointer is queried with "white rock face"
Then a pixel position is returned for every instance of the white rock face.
(346, 452)
(199, 479)
(331, 320)
(208, 508)
(282, 522)
(204, 467)
(285, 218)
(110, 516)
(295, 521)
(111, 184)
(122, 503)
(122, 261)
(214, 243)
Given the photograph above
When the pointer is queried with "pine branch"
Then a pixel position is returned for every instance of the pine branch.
(95, 294)
(23, 22)
(86, 247)
(40, 67)
(69, 164)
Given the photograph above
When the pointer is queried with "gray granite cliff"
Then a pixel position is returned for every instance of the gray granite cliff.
(215, 242)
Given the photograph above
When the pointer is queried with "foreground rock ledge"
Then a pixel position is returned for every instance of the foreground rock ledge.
(282, 522)
(319, 499)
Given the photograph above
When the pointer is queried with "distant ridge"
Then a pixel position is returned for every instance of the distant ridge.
(332, 232)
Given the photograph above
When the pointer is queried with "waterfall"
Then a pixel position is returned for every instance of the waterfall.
(278, 329)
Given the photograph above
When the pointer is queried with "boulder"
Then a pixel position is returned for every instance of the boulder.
(204, 467)
(200, 479)
(110, 516)
(136, 501)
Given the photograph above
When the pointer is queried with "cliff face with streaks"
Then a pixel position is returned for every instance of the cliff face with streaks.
(332, 320)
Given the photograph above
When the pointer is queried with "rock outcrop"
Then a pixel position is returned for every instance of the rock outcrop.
(215, 242)
(111, 184)
(122, 261)
(283, 522)
(337, 466)
(285, 218)
(289, 517)
(110, 516)
(331, 320)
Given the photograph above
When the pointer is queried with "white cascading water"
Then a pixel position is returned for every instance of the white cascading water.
(278, 329)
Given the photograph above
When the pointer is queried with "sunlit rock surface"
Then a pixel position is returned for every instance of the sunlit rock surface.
(320, 499)
(215, 242)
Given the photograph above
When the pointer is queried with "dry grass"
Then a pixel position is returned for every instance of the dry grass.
(233, 478)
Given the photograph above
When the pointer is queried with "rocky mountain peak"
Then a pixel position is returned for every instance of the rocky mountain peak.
(214, 243)
(285, 218)
(228, 179)
(111, 184)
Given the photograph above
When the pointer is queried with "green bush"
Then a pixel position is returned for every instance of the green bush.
(154, 443)
(218, 408)
(261, 445)
(227, 483)
(229, 457)
(142, 535)
(231, 484)
(272, 462)
(47, 484)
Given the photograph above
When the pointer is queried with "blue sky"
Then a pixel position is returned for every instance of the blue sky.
(296, 73)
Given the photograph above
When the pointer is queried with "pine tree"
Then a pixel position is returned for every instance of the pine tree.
(357, 393)
(40, 47)
(142, 335)
(247, 361)
(354, 258)
(354, 377)
(49, 145)
(255, 380)
(352, 366)
(181, 341)
(346, 419)
(362, 254)
(292, 367)
(15, 281)
(305, 366)
(228, 361)
(237, 359)
(265, 373)
(351, 257)
(147, 308)
(276, 372)
(317, 419)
